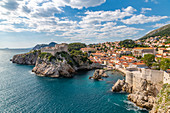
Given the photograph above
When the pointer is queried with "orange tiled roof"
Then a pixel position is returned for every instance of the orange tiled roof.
(139, 63)
(87, 49)
(98, 54)
(143, 48)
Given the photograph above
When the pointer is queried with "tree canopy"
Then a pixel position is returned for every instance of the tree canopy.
(148, 59)
(76, 46)
(128, 43)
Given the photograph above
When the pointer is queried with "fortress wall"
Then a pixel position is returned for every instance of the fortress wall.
(154, 76)
(134, 78)
(129, 78)
(57, 48)
(48, 51)
(157, 76)
(166, 78)
(137, 80)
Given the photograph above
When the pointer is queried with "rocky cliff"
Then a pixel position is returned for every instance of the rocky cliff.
(27, 58)
(62, 64)
(143, 97)
(98, 74)
(54, 68)
(162, 101)
(146, 96)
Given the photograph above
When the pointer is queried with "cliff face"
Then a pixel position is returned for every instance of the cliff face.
(54, 68)
(162, 101)
(61, 65)
(146, 96)
(143, 97)
(27, 58)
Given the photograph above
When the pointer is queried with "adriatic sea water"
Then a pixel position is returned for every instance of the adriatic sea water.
(21, 91)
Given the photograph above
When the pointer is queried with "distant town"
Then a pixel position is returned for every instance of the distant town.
(124, 54)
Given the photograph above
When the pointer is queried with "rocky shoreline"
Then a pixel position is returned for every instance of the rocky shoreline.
(99, 74)
(144, 97)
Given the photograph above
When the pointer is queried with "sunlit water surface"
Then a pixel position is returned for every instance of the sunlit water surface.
(23, 91)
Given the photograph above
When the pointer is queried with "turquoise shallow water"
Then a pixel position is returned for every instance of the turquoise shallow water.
(22, 91)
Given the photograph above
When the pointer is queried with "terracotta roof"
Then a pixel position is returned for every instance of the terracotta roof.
(139, 63)
(88, 49)
(143, 48)
(98, 54)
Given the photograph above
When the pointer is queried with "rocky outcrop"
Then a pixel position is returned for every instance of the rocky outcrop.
(98, 74)
(118, 86)
(62, 64)
(27, 58)
(162, 101)
(53, 69)
(143, 97)
(127, 88)
(121, 85)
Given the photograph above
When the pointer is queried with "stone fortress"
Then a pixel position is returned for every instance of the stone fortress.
(57, 48)
(134, 78)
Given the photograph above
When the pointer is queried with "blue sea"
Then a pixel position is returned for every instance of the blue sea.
(23, 91)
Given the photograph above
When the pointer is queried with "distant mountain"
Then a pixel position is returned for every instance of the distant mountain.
(163, 31)
(39, 46)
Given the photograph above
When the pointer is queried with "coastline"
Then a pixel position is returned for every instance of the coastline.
(120, 71)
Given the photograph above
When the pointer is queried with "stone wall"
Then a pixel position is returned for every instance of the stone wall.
(156, 77)
(45, 50)
(129, 78)
(166, 78)
(57, 48)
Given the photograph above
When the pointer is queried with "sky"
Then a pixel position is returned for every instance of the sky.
(25, 23)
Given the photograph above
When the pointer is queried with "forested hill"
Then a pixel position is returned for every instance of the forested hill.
(163, 31)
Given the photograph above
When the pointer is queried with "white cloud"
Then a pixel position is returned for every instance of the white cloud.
(160, 24)
(143, 10)
(83, 3)
(103, 16)
(129, 9)
(141, 19)
(154, 1)
(39, 16)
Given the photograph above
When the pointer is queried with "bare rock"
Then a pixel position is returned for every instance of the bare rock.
(96, 75)
(26, 59)
(118, 85)
(53, 69)
(127, 88)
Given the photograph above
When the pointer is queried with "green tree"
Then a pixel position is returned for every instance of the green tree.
(128, 43)
(165, 64)
(76, 46)
(148, 59)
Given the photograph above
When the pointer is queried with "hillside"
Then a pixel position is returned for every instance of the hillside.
(39, 46)
(163, 31)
